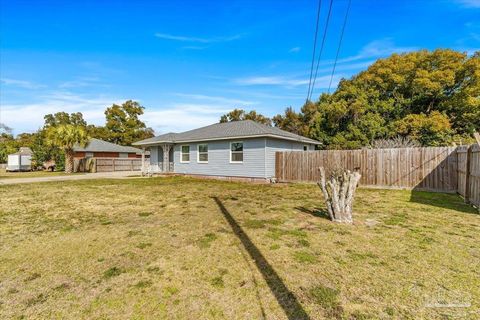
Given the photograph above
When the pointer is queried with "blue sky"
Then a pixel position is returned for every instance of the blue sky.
(188, 62)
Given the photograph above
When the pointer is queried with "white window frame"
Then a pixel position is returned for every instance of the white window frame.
(198, 152)
(243, 151)
(181, 153)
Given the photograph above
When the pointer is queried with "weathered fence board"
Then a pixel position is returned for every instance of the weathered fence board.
(108, 164)
(446, 169)
(422, 168)
(469, 173)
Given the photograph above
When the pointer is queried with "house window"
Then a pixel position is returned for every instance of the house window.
(185, 154)
(202, 153)
(236, 152)
(305, 148)
(123, 155)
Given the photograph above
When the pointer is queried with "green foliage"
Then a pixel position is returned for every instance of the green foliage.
(327, 297)
(240, 114)
(63, 118)
(65, 137)
(112, 272)
(291, 121)
(304, 257)
(206, 240)
(431, 130)
(123, 125)
(8, 145)
(430, 96)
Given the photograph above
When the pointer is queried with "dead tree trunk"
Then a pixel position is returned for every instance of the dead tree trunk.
(339, 191)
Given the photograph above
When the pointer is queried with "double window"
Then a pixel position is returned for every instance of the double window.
(202, 153)
(236, 152)
(185, 154)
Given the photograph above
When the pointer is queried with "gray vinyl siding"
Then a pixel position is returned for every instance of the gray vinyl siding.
(274, 145)
(258, 157)
(219, 159)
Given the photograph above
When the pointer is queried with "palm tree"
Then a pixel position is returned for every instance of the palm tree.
(66, 137)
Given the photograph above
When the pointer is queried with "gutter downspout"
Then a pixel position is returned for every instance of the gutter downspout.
(265, 159)
(143, 161)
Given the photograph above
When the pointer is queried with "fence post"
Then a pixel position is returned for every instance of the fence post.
(467, 174)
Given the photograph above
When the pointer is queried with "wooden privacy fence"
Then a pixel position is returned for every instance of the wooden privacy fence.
(108, 164)
(432, 169)
(469, 173)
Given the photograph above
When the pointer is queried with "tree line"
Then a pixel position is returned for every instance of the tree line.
(429, 97)
(426, 98)
(62, 131)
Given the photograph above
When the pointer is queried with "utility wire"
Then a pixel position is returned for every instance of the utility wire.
(314, 48)
(339, 44)
(321, 48)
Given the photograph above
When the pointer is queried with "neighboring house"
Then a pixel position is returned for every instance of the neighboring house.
(102, 149)
(21, 160)
(231, 149)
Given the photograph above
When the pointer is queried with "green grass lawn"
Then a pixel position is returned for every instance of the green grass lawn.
(181, 248)
(30, 174)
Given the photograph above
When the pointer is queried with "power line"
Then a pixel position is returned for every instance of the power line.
(314, 48)
(321, 48)
(339, 44)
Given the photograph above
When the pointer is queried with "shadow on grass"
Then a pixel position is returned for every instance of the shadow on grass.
(286, 299)
(442, 200)
(316, 212)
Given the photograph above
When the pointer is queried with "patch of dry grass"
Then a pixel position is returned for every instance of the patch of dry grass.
(163, 248)
(30, 174)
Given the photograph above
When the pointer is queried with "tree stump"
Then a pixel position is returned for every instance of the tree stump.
(339, 191)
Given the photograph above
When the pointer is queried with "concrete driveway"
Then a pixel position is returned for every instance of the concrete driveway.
(86, 176)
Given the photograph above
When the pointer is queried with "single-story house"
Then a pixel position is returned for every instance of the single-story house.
(21, 160)
(243, 149)
(97, 148)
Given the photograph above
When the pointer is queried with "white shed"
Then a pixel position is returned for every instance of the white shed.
(21, 160)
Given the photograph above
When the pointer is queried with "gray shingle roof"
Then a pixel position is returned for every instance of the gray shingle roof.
(97, 145)
(227, 130)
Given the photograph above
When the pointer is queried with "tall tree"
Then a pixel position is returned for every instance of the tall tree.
(291, 121)
(124, 124)
(8, 145)
(61, 118)
(240, 114)
(431, 96)
(66, 137)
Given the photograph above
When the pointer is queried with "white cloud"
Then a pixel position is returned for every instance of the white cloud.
(194, 48)
(376, 49)
(195, 39)
(183, 116)
(270, 80)
(469, 3)
(216, 99)
(81, 82)
(28, 117)
(383, 47)
(294, 49)
(366, 56)
(21, 83)
(197, 110)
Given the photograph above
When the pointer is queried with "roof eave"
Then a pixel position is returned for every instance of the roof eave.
(150, 143)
